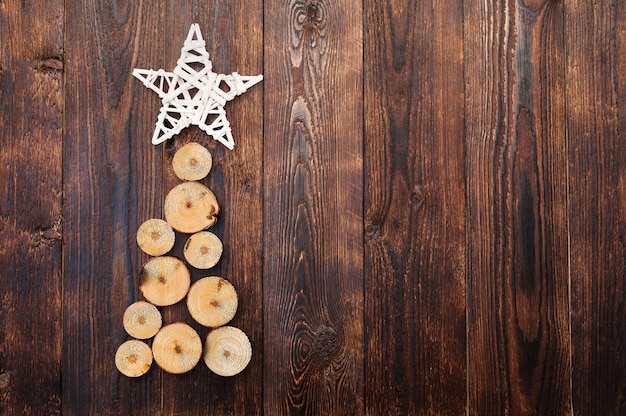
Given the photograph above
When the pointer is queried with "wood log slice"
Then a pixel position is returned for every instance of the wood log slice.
(142, 320)
(228, 351)
(190, 207)
(133, 358)
(177, 348)
(212, 301)
(192, 162)
(203, 250)
(155, 237)
(164, 280)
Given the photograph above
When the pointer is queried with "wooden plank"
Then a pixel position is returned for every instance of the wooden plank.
(31, 222)
(596, 122)
(313, 186)
(233, 34)
(415, 208)
(112, 183)
(518, 336)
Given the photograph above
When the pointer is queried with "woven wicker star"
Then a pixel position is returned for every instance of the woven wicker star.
(193, 93)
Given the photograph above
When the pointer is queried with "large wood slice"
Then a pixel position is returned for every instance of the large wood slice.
(191, 207)
(177, 348)
(164, 280)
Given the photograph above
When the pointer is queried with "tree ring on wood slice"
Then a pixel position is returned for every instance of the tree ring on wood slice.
(190, 207)
(142, 320)
(164, 280)
(177, 348)
(133, 358)
(155, 237)
(212, 301)
(192, 162)
(203, 250)
(228, 351)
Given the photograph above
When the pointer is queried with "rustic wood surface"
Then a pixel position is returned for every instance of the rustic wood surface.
(424, 214)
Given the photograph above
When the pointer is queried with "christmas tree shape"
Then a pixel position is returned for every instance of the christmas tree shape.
(212, 301)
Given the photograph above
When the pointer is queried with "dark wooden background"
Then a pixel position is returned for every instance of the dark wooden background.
(425, 212)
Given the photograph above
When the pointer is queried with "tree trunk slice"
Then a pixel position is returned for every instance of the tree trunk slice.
(164, 280)
(155, 237)
(191, 207)
(203, 250)
(192, 162)
(177, 348)
(212, 301)
(228, 351)
(142, 320)
(133, 358)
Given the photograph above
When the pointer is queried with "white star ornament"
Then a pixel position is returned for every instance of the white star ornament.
(193, 93)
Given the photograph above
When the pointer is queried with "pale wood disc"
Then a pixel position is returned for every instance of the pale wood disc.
(192, 162)
(164, 280)
(203, 250)
(212, 301)
(142, 320)
(155, 237)
(133, 358)
(228, 351)
(177, 348)
(190, 207)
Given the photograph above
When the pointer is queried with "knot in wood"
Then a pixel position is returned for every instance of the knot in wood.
(326, 345)
(312, 11)
(5, 381)
(372, 230)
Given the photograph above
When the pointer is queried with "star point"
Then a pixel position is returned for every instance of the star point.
(193, 94)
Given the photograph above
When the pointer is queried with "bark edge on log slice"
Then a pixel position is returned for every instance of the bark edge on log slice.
(191, 207)
(177, 348)
(227, 351)
(164, 280)
(212, 301)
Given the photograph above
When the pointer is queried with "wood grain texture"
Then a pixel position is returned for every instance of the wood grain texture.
(415, 208)
(596, 82)
(425, 211)
(233, 33)
(518, 336)
(112, 183)
(313, 184)
(31, 222)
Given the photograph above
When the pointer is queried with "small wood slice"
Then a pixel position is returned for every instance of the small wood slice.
(177, 348)
(191, 207)
(192, 162)
(155, 237)
(228, 351)
(164, 280)
(203, 250)
(142, 320)
(133, 358)
(212, 301)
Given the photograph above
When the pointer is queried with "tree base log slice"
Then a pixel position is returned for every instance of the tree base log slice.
(228, 351)
(133, 358)
(203, 250)
(164, 280)
(177, 348)
(190, 207)
(155, 237)
(192, 162)
(212, 301)
(142, 320)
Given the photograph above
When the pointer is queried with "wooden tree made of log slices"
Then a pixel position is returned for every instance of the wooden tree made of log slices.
(189, 208)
